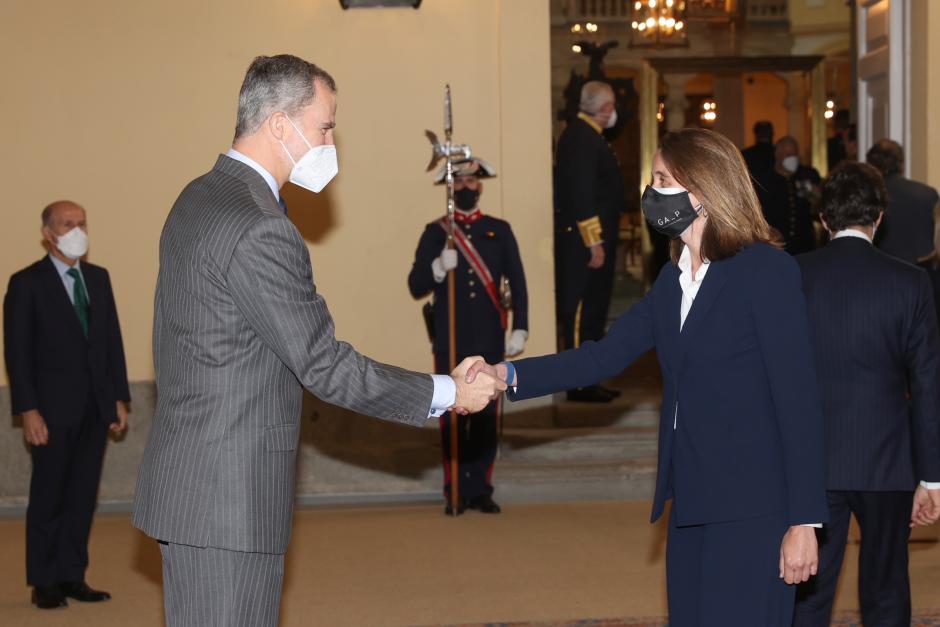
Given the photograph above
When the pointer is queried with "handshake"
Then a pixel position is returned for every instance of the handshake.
(478, 383)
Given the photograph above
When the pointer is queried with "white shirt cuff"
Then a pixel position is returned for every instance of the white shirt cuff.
(445, 394)
(930, 485)
(814, 525)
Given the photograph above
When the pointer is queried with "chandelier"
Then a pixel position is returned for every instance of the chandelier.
(658, 24)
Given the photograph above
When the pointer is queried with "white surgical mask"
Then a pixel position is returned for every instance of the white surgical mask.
(790, 164)
(316, 168)
(612, 120)
(73, 244)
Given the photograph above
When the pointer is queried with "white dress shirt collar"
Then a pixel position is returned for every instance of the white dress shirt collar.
(852, 233)
(63, 267)
(68, 282)
(689, 284)
(254, 165)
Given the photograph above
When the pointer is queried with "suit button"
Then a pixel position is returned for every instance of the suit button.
(473, 294)
(469, 270)
(472, 283)
(469, 236)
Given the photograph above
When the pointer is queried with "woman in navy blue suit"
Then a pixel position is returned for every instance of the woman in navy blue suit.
(741, 433)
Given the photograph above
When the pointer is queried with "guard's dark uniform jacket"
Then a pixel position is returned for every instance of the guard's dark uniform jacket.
(589, 200)
(479, 329)
(479, 332)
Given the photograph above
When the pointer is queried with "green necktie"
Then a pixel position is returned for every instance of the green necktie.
(79, 298)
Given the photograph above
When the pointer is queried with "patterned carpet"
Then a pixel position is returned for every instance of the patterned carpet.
(922, 618)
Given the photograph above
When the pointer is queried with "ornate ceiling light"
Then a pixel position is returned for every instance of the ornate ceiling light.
(658, 24)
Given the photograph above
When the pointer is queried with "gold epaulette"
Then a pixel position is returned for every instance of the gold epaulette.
(591, 231)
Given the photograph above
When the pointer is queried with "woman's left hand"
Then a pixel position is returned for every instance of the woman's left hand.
(799, 554)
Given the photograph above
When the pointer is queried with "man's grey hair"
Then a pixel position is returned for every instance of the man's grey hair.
(279, 83)
(594, 95)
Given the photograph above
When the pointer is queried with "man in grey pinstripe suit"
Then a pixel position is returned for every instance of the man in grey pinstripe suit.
(238, 324)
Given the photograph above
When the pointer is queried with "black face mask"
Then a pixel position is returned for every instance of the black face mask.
(669, 214)
(466, 198)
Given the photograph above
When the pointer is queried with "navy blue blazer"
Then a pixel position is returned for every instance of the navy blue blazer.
(51, 364)
(739, 379)
(875, 331)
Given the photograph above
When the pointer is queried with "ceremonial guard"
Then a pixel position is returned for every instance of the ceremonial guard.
(489, 283)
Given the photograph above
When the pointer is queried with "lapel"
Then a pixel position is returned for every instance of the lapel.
(672, 315)
(94, 301)
(714, 281)
(52, 284)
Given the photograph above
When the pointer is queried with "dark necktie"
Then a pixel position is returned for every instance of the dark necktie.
(283, 204)
(79, 298)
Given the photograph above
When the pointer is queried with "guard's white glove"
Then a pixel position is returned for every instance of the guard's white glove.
(443, 264)
(516, 342)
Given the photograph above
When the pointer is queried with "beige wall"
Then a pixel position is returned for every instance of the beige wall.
(765, 98)
(118, 104)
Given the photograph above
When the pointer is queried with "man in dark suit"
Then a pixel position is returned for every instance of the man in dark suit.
(877, 355)
(760, 157)
(486, 253)
(908, 229)
(836, 145)
(68, 381)
(588, 204)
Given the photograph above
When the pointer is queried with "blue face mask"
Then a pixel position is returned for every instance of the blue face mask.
(668, 210)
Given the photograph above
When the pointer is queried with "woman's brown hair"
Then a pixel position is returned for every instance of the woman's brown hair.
(711, 167)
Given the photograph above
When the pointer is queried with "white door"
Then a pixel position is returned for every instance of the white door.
(883, 28)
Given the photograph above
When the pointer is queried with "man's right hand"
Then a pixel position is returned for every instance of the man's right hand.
(926, 510)
(597, 256)
(34, 428)
(476, 395)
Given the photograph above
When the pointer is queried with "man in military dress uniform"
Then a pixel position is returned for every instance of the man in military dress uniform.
(486, 254)
(588, 204)
(788, 195)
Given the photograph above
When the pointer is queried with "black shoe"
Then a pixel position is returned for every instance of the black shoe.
(80, 591)
(484, 504)
(612, 393)
(449, 508)
(48, 598)
(590, 394)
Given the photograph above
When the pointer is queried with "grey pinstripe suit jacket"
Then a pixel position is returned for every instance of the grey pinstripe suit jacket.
(237, 323)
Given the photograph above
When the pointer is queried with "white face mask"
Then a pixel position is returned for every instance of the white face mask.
(316, 168)
(73, 244)
(612, 120)
(790, 164)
